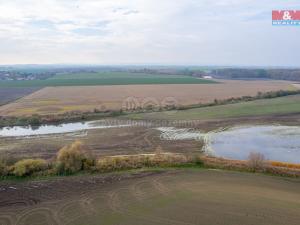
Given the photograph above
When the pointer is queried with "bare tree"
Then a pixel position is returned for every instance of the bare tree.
(256, 161)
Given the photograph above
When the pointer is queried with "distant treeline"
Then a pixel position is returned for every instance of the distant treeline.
(42, 73)
(227, 73)
(277, 74)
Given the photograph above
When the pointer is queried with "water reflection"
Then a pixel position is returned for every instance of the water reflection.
(278, 143)
(18, 131)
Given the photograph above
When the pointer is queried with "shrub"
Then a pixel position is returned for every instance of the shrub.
(197, 160)
(27, 167)
(89, 162)
(256, 161)
(21, 121)
(34, 120)
(3, 169)
(73, 158)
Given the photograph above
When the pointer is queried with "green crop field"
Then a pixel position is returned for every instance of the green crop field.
(289, 104)
(106, 78)
(111, 75)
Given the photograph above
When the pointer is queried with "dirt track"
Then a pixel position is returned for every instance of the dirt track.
(174, 197)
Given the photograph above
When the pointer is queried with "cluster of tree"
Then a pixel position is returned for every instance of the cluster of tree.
(240, 73)
(36, 120)
(225, 73)
(169, 71)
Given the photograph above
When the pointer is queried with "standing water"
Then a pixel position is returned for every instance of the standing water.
(277, 143)
(18, 131)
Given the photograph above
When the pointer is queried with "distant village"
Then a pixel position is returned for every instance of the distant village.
(9, 75)
(21, 75)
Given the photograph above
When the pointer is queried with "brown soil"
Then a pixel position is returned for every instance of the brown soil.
(174, 197)
(102, 142)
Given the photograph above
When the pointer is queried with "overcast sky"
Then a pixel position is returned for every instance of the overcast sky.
(195, 32)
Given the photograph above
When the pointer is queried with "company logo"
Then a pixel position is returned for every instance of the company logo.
(286, 17)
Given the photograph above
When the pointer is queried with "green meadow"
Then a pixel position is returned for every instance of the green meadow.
(282, 105)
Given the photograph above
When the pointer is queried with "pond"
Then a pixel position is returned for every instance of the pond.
(277, 143)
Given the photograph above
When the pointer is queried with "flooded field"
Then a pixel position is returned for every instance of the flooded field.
(277, 143)
(102, 138)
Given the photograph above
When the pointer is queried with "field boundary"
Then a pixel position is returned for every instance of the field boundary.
(165, 160)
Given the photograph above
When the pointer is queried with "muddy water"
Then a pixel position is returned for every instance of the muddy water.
(279, 143)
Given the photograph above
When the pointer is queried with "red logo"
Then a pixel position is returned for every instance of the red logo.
(286, 15)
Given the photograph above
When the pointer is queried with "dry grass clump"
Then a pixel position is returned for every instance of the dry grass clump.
(139, 161)
(255, 163)
(27, 167)
(73, 158)
(285, 165)
(221, 163)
